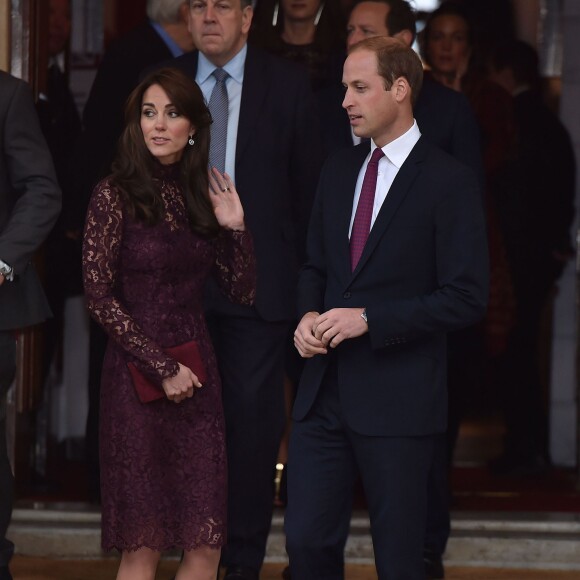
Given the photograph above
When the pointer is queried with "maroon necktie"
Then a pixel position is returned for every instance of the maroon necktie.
(364, 210)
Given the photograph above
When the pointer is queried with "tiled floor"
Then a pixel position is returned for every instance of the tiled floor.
(42, 569)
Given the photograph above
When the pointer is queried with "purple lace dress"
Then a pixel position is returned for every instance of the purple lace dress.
(163, 466)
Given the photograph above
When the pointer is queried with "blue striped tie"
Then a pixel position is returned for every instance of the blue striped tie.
(218, 107)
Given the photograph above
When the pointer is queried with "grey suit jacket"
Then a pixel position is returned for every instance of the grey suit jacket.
(30, 200)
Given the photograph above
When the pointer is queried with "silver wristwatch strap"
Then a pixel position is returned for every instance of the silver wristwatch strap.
(6, 271)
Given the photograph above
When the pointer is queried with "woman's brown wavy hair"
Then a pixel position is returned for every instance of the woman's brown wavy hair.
(133, 168)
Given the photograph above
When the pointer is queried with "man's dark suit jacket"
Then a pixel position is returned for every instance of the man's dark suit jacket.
(423, 273)
(29, 203)
(444, 117)
(278, 160)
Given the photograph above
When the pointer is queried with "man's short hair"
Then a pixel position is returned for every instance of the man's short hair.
(164, 11)
(400, 16)
(394, 60)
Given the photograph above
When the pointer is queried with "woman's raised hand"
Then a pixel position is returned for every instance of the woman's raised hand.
(226, 201)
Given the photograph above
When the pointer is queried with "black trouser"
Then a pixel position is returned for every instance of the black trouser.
(326, 456)
(250, 355)
(7, 371)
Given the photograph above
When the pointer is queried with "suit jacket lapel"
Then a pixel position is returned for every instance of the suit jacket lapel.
(397, 193)
(254, 90)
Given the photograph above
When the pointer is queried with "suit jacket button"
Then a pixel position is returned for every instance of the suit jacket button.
(347, 295)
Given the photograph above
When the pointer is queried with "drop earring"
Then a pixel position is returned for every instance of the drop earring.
(275, 15)
(318, 14)
(191, 141)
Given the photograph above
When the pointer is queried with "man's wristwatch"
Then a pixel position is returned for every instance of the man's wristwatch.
(6, 271)
(363, 315)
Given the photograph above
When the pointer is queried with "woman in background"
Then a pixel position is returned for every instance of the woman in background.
(310, 32)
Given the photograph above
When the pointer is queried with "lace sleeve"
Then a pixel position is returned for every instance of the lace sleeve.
(101, 247)
(235, 266)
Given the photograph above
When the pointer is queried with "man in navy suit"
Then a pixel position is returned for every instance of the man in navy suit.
(273, 154)
(373, 330)
(445, 119)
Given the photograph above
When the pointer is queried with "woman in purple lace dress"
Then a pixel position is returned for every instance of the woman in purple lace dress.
(156, 229)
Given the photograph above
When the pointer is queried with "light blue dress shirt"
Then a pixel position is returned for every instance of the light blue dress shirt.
(206, 81)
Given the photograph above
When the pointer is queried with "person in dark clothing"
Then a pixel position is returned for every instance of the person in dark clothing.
(535, 198)
(373, 395)
(310, 33)
(61, 126)
(30, 201)
(268, 141)
(446, 119)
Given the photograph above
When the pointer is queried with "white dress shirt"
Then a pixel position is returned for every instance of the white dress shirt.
(396, 152)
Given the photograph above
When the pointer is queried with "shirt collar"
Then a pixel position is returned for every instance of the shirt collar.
(171, 44)
(234, 67)
(398, 150)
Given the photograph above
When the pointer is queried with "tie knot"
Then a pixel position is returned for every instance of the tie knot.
(376, 156)
(220, 75)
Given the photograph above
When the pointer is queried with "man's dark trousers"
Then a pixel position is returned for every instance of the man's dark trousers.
(394, 472)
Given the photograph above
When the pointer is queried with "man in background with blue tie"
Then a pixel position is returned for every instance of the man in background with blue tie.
(397, 257)
(265, 136)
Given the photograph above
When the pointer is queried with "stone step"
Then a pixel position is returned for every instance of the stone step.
(549, 541)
